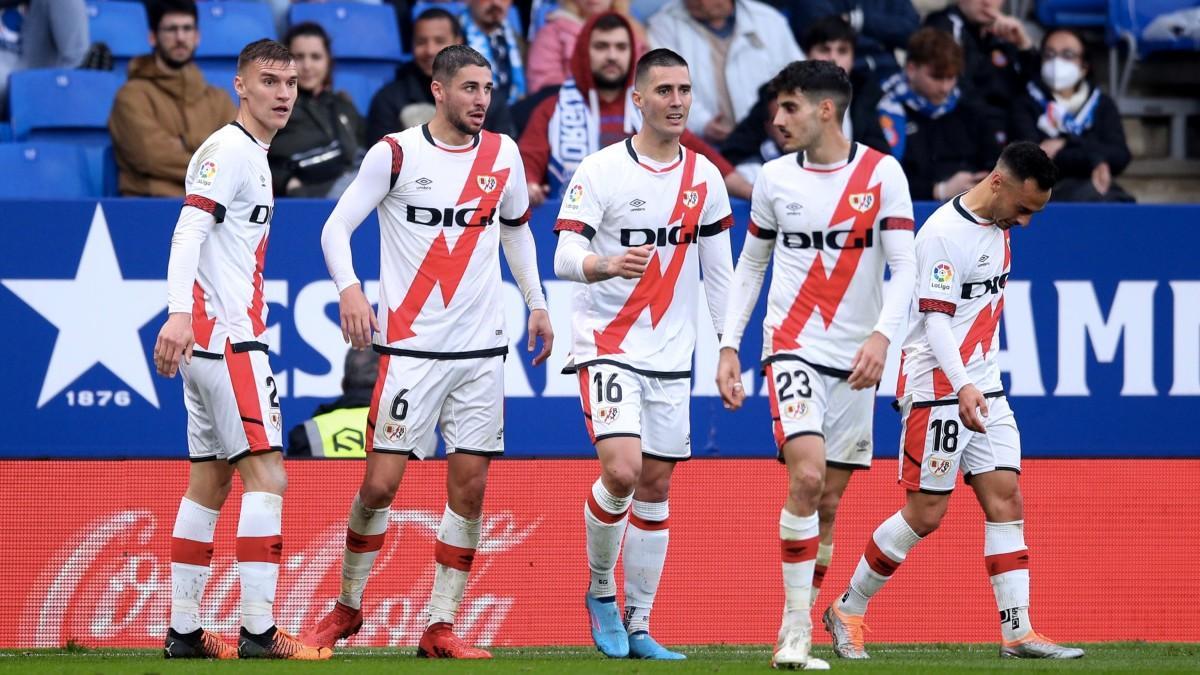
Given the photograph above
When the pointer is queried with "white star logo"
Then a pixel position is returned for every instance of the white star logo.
(98, 315)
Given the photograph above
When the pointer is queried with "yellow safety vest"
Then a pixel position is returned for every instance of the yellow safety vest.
(338, 434)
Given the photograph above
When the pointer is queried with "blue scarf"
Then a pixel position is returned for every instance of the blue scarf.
(482, 43)
(1056, 119)
(898, 99)
(574, 130)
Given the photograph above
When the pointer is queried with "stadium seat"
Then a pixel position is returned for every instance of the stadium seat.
(359, 87)
(122, 26)
(357, 32)
(226, 27)
(1072, 12)
(40, 170)
(219, 73)
(58, 104)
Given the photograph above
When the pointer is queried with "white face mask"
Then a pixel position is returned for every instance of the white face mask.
(1060, 74)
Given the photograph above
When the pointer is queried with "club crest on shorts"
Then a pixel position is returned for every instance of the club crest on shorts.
(394, 431)
(487, 182)
(691, 198)
(939, 467)
(794, 410)
(861, 201)
(276, 419)
(607, 414)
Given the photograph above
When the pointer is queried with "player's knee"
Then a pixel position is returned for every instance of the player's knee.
(657, 489)
(377, 492)
(621, 479)
(466, 495)
(924, 521)
(1005, 504)
(804, 485)
(828, 506)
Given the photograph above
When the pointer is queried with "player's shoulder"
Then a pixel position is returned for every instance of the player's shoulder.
(224, 151)
(605, 158)
(948, 224)
(888, 167)
(783, 167)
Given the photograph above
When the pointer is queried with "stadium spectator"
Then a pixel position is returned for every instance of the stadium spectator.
(733, 46)
(165, 110)
(998, 54)
(1076, 124)
(336, 428)
(408, 100)
(942, 139)
(552, 47)
(323, 139)
(485, 25)
(756, 140)
(40, 34)
(882, 26)
(593, 110)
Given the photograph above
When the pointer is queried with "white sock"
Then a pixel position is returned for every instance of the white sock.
(455, 551)
(799, 537)
(646, 541)
(824, 557)
(365, 532)
(886, 549)
(259, 548)
(604, 520)
(1007, 561)
(191, 555)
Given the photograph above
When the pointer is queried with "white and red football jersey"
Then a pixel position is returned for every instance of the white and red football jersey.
(229, 178)
(827, 278)
(963, 264)
(439, 285)
(619, 200)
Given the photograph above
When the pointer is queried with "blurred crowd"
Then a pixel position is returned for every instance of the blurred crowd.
(941, 93)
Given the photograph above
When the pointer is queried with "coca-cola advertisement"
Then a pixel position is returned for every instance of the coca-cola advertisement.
(84, 554)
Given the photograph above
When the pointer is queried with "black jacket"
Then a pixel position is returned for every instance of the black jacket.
(412, 86)
(935, 149)
(745, 142)
(1104, 141)
(320, 142)
(886, 26)
(995, 71)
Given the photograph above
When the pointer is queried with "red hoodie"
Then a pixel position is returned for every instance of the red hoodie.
(535, 144)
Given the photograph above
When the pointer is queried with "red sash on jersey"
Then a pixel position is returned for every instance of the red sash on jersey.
(656, 289)
(826, 292)
(444, 268)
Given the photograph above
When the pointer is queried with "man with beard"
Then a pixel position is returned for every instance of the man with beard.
(593, 110)
(165, 110)
(449, 195)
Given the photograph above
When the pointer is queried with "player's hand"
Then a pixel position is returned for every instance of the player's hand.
(729, 379)
(358, 319)
(867, 366)
(175, 340)
(537, 194)
(1102, 178)
(632, 264)
(1051, 146)
(718, 128)
(972, 408)
(539, 325)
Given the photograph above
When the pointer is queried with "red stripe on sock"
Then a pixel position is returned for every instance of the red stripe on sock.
(819, 575)
(260, 549)
(1007, 562)
(602, 515)
(363, 543)
(798, 550)
(878, 560)
(648, 525)
(453, 556)
(191, 552)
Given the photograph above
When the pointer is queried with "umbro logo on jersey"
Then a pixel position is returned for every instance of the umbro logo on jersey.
(487, 183)
(638, 205)
(861, 201)
(262, 181)
(793, 209)
(691, 198)
(983, 259)
(424, 183)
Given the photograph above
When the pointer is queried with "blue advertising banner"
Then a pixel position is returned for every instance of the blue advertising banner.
(1100, 337)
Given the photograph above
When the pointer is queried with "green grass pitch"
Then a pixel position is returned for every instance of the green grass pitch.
(919, 659)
